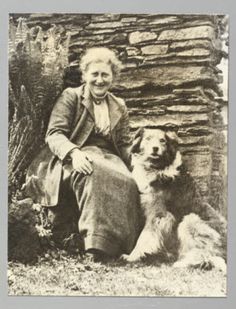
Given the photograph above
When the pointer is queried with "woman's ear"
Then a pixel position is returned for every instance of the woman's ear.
(137, 140)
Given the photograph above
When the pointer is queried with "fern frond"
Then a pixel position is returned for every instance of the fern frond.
(36, 69)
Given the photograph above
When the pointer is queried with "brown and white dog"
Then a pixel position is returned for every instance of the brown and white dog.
(176, 220)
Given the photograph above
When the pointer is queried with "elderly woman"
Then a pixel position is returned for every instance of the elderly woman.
(88, 133)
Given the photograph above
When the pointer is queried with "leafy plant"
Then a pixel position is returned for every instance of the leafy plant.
(37, 61)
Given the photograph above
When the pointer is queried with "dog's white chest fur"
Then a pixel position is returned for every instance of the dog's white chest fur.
(143, 177)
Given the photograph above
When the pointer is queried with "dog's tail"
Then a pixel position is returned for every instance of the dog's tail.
(199, 244)
(193, 232)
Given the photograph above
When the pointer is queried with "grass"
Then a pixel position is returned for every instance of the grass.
(69, 276)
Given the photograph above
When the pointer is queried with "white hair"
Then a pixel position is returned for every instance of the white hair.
(101, 54)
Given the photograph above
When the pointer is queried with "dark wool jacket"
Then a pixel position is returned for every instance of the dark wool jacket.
(72, 119)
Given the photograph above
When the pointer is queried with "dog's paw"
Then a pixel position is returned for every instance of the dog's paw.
(129, 258)
(125, 258)
(180, 264)
(169, 257)
(220, 264)
(206, 265)
(214, 262)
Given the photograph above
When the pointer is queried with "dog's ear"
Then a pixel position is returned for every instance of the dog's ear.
(137, 140)
(172, 136)
(172, 144)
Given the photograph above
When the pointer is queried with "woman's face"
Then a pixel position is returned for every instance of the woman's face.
(98, 77)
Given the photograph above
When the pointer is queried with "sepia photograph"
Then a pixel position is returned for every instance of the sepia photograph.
(117, 154)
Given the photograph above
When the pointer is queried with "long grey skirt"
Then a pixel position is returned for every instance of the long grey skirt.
(107, 203)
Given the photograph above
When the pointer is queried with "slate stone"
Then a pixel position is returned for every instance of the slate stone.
(129, 20)
(104, 17)
(132, 51)
(105, 25)
(175, 119)
(188, 108)
(171, 76)
(155, 49)
(203, 43)
(138, 37)
(164, 20)
(195, 52)
(188, 33)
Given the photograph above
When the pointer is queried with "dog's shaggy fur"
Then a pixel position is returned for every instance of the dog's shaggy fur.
(177, 222)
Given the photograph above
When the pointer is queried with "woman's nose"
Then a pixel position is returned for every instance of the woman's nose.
(99, 79)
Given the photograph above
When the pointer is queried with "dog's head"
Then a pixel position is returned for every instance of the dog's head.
(156, 147)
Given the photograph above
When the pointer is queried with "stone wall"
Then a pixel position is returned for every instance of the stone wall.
(170, 79)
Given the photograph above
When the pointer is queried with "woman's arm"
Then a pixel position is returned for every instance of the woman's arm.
(123, 137)
(59, 130)
(60, 124)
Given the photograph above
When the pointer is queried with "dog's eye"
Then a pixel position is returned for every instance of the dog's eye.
(162, 140)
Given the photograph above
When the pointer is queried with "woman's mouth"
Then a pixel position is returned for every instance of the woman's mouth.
(99, 86)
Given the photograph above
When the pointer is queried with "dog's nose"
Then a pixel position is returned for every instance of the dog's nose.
(155, 149)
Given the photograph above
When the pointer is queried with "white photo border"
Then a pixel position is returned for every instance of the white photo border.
(121, 6)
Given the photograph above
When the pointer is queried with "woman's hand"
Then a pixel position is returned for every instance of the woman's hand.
(81, 162)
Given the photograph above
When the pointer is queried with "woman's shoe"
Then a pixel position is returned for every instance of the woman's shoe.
(97, 256)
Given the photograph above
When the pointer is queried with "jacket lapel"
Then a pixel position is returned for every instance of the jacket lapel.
(87, 101)
(114, 110)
